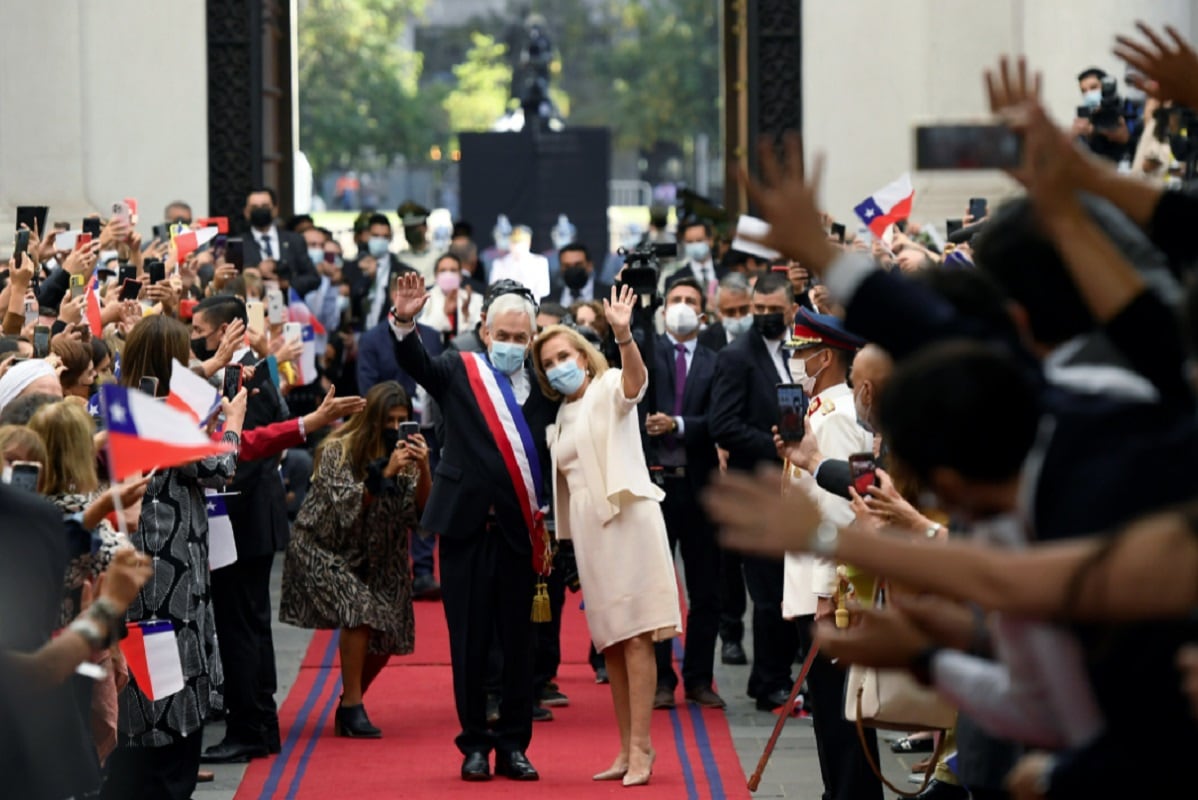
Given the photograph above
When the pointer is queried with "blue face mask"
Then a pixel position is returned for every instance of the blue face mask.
(566, 378)
(738, 325)
(378, 246)
(506, 357)
(316, 255)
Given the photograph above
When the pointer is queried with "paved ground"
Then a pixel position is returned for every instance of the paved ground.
(793, 770)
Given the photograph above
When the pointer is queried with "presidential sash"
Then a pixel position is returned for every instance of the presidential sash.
(497, 401)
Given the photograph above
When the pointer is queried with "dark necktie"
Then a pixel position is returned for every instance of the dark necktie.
(679, 377)
(266, 251)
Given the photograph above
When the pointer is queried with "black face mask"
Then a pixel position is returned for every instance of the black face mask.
(261, 217)
(199, 347)
(415, 238)
(575, 277)
(770, 326)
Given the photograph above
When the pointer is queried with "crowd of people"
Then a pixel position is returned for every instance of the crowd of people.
(810, 433)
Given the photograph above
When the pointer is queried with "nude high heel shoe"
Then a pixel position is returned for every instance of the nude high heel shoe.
(641, 778)
(613, 773)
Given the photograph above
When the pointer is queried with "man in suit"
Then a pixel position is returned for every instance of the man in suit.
(376, 363)
(695, 246)
(823, 351)
(284, 249)
(744, 411)
(575, 278)
(369, 280)
(736, 313)
(487, 573)
(681, 456)
(241, 591)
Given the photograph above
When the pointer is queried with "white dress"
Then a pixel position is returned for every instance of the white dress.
(627, 574)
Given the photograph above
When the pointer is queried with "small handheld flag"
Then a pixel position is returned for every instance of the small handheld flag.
(144, 434)
(888, 205)
(152, 653)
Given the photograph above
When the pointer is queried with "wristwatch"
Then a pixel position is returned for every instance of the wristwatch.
(91, 632)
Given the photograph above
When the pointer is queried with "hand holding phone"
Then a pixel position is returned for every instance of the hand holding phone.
(978, 208)
(156, 269)
(41, 341)
(293, 332)
(408, 429)
(130, 289)
(863, 472)
(24, 475)
(275, 310)
(792, 410)
(78, 285)
(232, 381)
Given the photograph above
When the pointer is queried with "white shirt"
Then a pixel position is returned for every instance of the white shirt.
(271, 235)
(775, 351)
(704, 271)
(529, 269)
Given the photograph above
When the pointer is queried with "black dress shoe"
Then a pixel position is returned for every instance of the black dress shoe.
(601, 675)
(352, 723)
(475, 767)
(515, 765)
(541, 714)
(775, 699)
(425, 587)
(227, 752)
(733, 653)
(663, 697)
(941, 790)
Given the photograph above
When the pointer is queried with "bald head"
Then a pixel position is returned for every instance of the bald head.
(872, 367)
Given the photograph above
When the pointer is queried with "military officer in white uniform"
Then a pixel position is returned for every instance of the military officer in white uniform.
(822, 353)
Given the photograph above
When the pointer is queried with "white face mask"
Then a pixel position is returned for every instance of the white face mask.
(802, 378)
(1092, 98)
(681, 319)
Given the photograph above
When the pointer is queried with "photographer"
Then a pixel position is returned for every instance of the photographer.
(1104, 121)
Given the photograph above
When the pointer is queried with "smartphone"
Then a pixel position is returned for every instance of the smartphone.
(408, 429)
(33, 217)
(792, 410)
(156, 269)
(82, 241)
(232, 381)
(130, 289)
(390, 440)
(121, 211)
(219, 242)
(31, 311)
(838, 231)
(275, 311)
(92, 225)
(256, 316)
(1083, 112)
(21, 247)
(863, 472)
(977, 208)
(41, 341)
(126, 272)
(25, 475)
(293, 332)
(78, 285)
(160, 232)
(951, 226)
(235, 252)
(967, 147)
(148, 385)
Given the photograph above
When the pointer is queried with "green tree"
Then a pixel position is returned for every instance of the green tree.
(484, 82)
(358, 86)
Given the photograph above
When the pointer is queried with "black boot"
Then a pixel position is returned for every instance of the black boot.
(352, 722)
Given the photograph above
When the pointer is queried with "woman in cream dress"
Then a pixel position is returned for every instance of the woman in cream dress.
(607, 504)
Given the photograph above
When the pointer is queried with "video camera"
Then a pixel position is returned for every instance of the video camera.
(1109, 110)
(1178, 126)
(642, 265)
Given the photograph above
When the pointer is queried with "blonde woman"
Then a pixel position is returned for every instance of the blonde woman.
(607, 504)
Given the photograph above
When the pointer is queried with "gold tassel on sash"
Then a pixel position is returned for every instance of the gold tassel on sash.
(540, 603)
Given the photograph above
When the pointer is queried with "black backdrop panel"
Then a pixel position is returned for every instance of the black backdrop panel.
(535, 176)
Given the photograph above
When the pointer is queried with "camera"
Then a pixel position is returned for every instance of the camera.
(1109, 109)
(642, 265)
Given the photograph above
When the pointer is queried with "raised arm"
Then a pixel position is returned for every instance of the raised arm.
(619, 315)
(409, 298)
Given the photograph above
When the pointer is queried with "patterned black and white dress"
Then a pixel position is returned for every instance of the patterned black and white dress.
(347, 564)
(86, 566)
(173, 531)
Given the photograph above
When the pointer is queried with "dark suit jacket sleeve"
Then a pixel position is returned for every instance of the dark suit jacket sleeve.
(304, 277)
(369, 368)
(833, 476)
(434, 374)
(730, 408)
(1147, 334)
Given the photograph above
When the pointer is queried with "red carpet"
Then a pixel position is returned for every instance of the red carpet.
(412, 702)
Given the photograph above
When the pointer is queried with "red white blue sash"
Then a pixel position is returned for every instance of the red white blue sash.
(505, 419)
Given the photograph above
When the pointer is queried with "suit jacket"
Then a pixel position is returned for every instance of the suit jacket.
(292, 259)
(688, 270)
(360, 285)
(701, 458)
(471, 479)
(258, 509)
(714, 337)
(376, 357)
(557, 289)
(744, 402)
(609, 447)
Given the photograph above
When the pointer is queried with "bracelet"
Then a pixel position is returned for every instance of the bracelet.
(827, 537)
(626, 341)
(932, 531)
(303, 432)
(90, 632)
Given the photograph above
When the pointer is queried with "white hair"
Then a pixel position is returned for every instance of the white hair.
(733, 282)
(512, 302)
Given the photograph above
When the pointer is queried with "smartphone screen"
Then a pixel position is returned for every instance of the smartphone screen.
(156, 270)
(78, 287)
(408, 429)
(967, 147)
(92, 225)
(24, 475)
(33, 217)
(21, 247)
(838, 231)
(130, 289)
(149, 385)
(863, 472)
(235, 252)
(792, 409)
(31, 311)
(977, 208)
(41, 341)
(232, 381)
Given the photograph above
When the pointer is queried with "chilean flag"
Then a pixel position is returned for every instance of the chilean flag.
(144, 434)
(298, 311)
(888, 205)
(94, 319)
(188, 242)
(152, 653)
(222, 546)
(191, 394)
